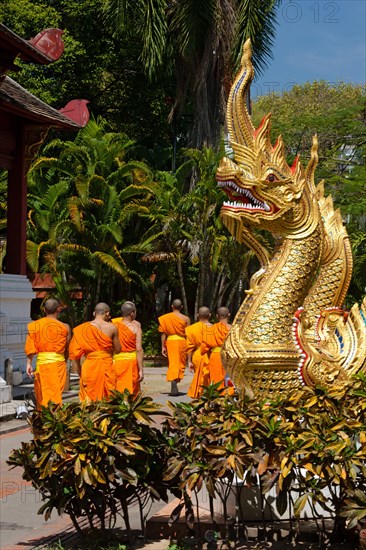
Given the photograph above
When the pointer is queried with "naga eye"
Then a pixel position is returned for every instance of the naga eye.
(271, 178)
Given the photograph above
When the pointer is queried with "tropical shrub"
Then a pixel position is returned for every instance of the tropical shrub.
(310, 446)
(151, 340)
(91, 459)
(307, 448)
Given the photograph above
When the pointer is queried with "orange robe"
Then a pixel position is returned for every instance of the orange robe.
(174, 328)
(125, 363)
(213, 339)
(194, 338)
(47, 337)
(97, 373)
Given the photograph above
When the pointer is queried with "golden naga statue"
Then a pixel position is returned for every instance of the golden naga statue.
(291, 329)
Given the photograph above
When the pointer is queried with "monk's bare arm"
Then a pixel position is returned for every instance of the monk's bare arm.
(115, 340)
(163, 345)
(29, 364)
(190, 348)
(140, 353)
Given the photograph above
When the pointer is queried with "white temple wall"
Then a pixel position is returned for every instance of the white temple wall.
(16, 295)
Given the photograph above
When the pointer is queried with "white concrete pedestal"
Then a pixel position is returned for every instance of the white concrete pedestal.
(15, 300)
(250, 505)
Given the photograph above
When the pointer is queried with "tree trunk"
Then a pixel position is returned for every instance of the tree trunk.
(197, 297)
(221, 290)
(181, 283)
(98, 285)
(202, 275)
(213, 302)
(232, 293)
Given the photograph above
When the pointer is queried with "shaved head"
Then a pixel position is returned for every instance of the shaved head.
(51, 305)
(127, 308)
(204, 313)
(177, 304)
(223, 312)
(101, 308)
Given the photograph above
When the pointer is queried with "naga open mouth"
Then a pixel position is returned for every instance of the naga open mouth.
(241, 198)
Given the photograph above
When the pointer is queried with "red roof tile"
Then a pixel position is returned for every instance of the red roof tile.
(12, 42)
(16, 99)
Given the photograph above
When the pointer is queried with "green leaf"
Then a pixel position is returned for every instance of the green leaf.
(300, 504)
(85, 472)
(215, 450)
(173, 469)
(310, 402)
(282, 502)
(142, 417)
(124, 449)
(60, 450)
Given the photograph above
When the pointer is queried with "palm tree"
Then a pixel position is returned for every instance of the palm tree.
(77, 219)
(358, 241)
(220, 258)
(167, 236)
(201, 42)
(185, 228)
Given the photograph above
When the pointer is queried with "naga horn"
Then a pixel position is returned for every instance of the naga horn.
(239, 123)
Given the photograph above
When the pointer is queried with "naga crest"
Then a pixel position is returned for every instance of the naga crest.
(291, 329)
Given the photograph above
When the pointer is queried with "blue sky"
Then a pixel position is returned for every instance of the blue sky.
(316, 40)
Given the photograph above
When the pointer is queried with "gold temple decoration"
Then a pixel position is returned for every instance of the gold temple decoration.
(291, 329)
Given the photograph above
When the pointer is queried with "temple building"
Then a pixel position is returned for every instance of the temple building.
(24, 123)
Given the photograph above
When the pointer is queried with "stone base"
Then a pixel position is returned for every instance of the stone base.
(16, 295)
(251, 506)
(277, 532)
(5, 394)
(158, 527)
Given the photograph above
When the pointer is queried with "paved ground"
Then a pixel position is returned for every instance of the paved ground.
(21, 527)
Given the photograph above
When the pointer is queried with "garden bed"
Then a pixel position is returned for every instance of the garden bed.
(155, 361)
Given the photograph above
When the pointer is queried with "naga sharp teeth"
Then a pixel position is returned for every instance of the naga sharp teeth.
(252, 205)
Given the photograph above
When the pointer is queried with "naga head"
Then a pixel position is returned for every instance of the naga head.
(262, 188)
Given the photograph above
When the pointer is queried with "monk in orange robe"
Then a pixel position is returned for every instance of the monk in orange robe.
(128, 364)
(198, 362)
(96, 340)
(213, 339)
(48, 338)
(173, 343)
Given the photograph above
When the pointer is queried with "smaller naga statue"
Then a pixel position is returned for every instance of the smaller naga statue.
(291, 329)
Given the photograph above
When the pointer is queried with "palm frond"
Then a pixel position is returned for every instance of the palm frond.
(33, 251)
(159, 257)
(53, 193)
(71, 247)
(109, 230)
(32, 255)
(75, 213)
(155, 31)
(257, 21)
(191, 21)
(133, 191)
(112, 263)
(115, 15)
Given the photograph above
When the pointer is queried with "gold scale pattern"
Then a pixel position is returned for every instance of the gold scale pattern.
(291, 329)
